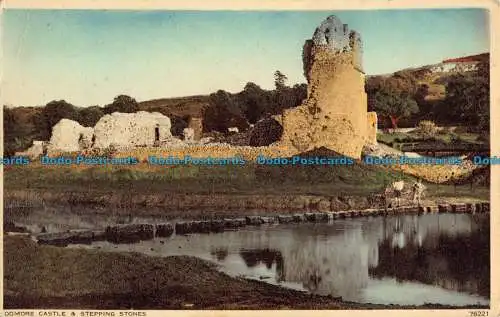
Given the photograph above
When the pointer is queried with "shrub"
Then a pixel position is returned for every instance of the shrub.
(484, 137)
(455, 139)
(427, 129)
(110, 151)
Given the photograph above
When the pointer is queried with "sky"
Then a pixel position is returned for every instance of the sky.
(87, 57)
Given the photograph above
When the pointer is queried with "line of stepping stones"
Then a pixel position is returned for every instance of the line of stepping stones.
(133, 233)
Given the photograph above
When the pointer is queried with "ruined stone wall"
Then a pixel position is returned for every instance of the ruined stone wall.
(335, 113)
(69, 136)
(132, 129)
(37, 149)
(197, 125)
(371, 133)
(357, 50)
(215, 150)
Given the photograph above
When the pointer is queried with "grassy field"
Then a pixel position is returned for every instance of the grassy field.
(250, 178)
(357, 180)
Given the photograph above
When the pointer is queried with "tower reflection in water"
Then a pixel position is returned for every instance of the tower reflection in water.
(340, 259)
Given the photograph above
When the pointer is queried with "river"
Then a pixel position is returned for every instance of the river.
(404, 259)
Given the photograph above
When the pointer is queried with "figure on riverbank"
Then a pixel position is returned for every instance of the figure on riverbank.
(418, 190)
(394, 190)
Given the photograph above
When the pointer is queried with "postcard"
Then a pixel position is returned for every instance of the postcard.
(248, 158)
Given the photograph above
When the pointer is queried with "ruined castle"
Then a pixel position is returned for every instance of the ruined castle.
(334, 114)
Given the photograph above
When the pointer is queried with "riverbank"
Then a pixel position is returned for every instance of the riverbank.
(59, 278)
(198, 191)
(196, 206)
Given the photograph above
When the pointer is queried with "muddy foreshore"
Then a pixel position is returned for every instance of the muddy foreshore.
(47, 277)
(183, 202)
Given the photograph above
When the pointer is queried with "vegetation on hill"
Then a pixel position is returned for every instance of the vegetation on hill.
(447, 98)
(484, 57)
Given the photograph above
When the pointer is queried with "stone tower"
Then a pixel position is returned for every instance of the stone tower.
(334, 115)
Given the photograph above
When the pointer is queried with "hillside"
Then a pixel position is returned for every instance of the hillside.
(180, 107)
(427, 85)
(484, 57)
(435, 75)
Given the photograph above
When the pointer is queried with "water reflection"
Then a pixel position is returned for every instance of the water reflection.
(220, 254)
(455, 260)
(409, 259)
(341, 259)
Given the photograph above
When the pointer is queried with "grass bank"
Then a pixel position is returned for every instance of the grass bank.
(218, 188)
(357, 179)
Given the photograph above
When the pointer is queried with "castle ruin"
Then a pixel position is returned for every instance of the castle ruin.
(119, 130)
(132, 130)
(334, 115)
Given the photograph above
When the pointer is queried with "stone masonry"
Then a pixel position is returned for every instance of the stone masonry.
(121, 130)
(69, 136)
(334, 115)
(132, 129)
(37, 149)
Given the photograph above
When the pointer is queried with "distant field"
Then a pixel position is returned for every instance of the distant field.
(181, 106)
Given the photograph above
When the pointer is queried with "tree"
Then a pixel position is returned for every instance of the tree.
(122, 103)
(300, 92)
(90, 115)
(10, 127)
(222, 113)
(51, 114)
(394, 105)
(468, 97)
(255, 102)
(279, 80)
(10, 122)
